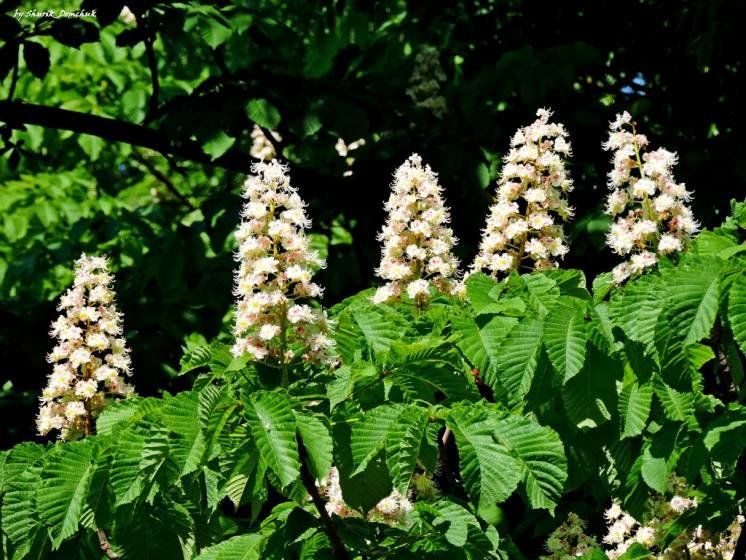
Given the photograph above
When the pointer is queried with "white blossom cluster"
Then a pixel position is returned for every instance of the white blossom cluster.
(416, 239)
(693, 544)
(570, 541)
(274, 278)
(261, 146)
(90, 360)
(649, 206)
(624, 530)
(424, 83)
(393, 510)
(525, 222)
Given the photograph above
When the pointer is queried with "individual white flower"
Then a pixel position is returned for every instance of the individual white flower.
(641, 261)
(680, 504)
(84, 332)
(74, 410)
(418, 288)
(649, 208)
(621, 272)
(268, 332)
(643, 187)
(416, 239)
(275, 273)
(614, 512)
(669, 244)
(534, 173)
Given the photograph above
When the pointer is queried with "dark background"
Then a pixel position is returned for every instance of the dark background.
(162, 197)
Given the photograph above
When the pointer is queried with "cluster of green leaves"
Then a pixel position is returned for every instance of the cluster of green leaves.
(531, 398)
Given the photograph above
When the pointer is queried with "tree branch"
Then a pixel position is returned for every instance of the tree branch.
(338, 548)
(17, 113)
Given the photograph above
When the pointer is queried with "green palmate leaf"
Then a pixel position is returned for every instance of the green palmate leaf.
(218, 144)
(694, 294)
(181, 415)
(543, 292)
(489, 472)
(216, 408)
(272, 422)
(457, 518)
(243, 547)
(317, 441)
(403, 444)
(542, 455)
(360, 377)
(659, 457)
(590, 398)
(156, 532)
(263, 113)
(369, 435)
(565, 339)
(478, 288)
(676, 405)
(725, 437)
(636, 309)
(64, 486)
(519, 355)
(737, 310)
(377, 330)
(634, 408)
(118, 412)
(429, 371)
(479, 339)
(600, 328)
(20, 520)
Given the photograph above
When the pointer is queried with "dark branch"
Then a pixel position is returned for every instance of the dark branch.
(17, 113)
(338, 548)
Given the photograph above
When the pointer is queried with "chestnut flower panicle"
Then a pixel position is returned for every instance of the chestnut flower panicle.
(525, 222)
(649, 207)
(91, 359)
(416, 239)
(274, 277)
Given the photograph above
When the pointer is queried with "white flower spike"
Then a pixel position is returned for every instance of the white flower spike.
(274, 278)
(652, 218)
(524, 225)
(417, 241)
(91, 359)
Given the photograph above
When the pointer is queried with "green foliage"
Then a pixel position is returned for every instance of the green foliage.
(516, 403)
(530, 398)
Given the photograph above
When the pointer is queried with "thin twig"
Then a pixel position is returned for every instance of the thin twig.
(13, 78)
(150, 37)
(163, 179)
(338, 548)
(105, 545)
